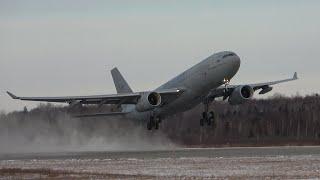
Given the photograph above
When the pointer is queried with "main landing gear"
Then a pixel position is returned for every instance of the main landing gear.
(154, 122)
(208, 118)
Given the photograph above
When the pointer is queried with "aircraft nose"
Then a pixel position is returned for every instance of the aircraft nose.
(235, 61)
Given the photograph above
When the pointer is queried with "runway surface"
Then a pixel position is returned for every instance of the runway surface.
(243, 163)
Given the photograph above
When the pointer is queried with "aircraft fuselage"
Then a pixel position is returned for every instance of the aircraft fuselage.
(196, 82)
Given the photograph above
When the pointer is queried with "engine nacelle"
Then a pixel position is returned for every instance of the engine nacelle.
(240, 95)
(148, 101)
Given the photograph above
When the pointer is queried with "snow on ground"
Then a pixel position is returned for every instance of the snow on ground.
(288, 167)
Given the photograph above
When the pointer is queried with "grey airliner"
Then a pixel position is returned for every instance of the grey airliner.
(202, 83)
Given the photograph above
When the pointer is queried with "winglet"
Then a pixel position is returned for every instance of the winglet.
(12, 95)
(295, 76)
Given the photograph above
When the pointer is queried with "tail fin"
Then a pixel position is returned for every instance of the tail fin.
(120, 83)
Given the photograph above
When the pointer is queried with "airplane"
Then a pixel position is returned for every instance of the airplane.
(202, 83)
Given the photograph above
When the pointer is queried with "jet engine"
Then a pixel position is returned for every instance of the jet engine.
(240, 95)
(148, 101)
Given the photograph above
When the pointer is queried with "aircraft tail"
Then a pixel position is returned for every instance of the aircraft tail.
(121, 84)
(122, 87)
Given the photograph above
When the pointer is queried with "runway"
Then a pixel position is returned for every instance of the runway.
(243, 163)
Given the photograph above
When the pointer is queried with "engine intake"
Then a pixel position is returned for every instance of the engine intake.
(154, 99)
(241, 95)
(148, 101)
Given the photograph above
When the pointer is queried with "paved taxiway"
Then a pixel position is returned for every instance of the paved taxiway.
(246, 163)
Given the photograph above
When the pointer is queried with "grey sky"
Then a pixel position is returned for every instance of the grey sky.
(57, 47)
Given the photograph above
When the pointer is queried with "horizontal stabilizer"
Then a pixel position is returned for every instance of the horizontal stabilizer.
(12, 95)
(100, 114)
(295, 76)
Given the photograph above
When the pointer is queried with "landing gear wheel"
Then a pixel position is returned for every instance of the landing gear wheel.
(153, 123)
(209, 121)
(212, 118)
(157, 123)
(208, 118)
(211, 114)
(201, 122)
(150, 123)
(149, 126)
(203, 119)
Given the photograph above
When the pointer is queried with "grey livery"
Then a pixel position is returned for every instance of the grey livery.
(201, 83)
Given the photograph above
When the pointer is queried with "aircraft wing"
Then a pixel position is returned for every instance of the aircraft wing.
(265, 87)
(123, 98)
(169, 95)
(129, 98)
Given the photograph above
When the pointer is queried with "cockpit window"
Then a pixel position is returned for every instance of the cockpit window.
(227, 55)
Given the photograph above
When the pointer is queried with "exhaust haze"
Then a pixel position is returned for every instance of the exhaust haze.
(47, 130)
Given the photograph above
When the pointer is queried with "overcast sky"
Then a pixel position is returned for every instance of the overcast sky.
(58, 47)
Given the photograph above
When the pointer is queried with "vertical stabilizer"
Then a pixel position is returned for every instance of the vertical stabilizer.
(120, 83)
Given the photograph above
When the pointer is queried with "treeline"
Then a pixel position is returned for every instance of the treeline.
(274, 121)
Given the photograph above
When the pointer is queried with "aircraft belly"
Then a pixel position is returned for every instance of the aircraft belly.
(198, 86)
(182, 104)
